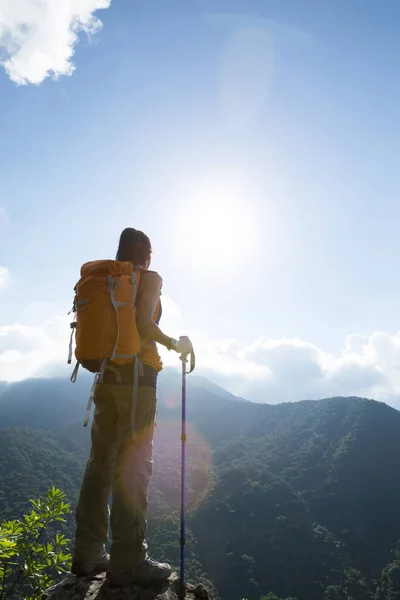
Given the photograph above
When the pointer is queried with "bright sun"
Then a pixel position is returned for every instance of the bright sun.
(217, 226)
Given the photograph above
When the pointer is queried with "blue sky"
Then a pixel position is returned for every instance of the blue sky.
(256, 142)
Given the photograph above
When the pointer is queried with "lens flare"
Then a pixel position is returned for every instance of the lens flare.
(167, 466)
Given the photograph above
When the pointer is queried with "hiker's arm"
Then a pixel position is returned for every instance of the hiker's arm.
(144, 319)
(149, 295)
(146, 304)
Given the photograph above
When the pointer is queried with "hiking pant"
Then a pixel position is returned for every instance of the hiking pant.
(121, 462)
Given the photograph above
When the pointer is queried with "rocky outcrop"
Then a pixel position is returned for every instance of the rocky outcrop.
(96, 588)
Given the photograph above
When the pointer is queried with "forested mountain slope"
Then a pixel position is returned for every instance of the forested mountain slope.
(299, 499)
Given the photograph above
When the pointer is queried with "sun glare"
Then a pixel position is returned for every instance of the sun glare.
(217, 227)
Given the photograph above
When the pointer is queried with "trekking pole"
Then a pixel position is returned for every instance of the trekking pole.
(184, 359)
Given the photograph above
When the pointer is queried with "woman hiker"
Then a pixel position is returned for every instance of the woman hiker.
(120, 459)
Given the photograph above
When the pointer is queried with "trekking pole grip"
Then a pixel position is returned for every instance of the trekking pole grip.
(184, 356)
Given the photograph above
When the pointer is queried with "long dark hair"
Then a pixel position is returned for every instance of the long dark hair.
(134, 246)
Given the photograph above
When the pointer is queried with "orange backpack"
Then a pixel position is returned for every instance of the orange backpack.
(105, 315)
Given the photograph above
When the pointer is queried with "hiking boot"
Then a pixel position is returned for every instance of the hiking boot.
(149, 572)
(99, 565)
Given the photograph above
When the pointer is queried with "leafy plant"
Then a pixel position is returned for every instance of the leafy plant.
(31, 555)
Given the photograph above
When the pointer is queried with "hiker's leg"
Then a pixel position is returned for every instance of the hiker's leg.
(133, 469)
(92, 509)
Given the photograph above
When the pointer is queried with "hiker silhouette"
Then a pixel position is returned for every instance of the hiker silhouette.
(124, 393)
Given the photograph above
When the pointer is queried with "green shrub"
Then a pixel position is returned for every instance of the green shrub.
(31, 554)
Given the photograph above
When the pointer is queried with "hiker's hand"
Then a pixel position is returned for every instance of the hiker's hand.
(184, 345)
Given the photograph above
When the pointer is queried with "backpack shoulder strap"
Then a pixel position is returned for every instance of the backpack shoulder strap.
(136, 276)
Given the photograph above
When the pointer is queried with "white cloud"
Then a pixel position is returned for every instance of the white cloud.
(4, 278)
(265, 370)
(37, 37)
(31, 351)
(287, 370)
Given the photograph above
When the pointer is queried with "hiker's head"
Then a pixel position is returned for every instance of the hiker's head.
(134, 246)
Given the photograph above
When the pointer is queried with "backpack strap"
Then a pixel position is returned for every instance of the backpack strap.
(98, 378)
(111, 287)
(74, 373)
(71, 341)
(135, 284)
(90, 400)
